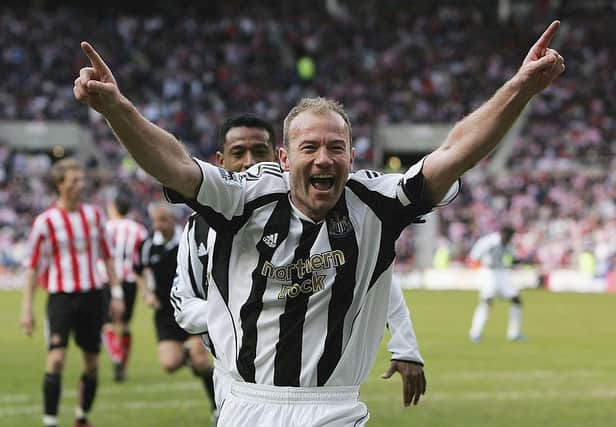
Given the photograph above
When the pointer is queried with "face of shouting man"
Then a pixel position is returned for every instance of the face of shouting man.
(319, 157)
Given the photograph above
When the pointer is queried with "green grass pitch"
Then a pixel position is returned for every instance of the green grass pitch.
(563, 375)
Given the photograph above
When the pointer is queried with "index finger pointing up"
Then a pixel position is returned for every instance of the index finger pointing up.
(95, 59)
(547, 36)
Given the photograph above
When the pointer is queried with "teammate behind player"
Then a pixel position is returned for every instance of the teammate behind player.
(244, 141)
(155, 270)
(126, 237)
(66, 241)
(491, 252)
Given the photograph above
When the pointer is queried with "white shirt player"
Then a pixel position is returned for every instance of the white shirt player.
(494, 282)
(489, 250)
(279, 281)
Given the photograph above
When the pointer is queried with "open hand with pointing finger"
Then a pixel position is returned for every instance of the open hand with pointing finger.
(96, 85)
(542, 64)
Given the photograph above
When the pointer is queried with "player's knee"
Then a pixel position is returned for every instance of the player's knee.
(516, 300)
(199, 365)
(91, 367)
(91, 371)
(170, 365)
(55, 365)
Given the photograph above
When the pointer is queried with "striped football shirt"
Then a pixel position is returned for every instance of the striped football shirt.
(290, 301)
(65, 247)
(126, 236)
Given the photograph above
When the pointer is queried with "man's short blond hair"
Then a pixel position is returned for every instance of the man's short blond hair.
(317, 105)
(59, 169)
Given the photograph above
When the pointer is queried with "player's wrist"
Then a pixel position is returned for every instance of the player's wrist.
(404, 360)
(117, 292)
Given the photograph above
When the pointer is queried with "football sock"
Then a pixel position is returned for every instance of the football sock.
(86, 392)
(52, 385)
(208, 383)
(480, 317)
(125, 344)
(111, 342)
(515, 322)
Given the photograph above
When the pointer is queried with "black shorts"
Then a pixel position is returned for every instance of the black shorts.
(130, 294)
(166, 327)
(81, 313)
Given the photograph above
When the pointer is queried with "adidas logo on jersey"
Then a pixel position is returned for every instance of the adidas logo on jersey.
(271, 240)
(201, 250)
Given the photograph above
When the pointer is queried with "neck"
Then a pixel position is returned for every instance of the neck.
(314, 216)
(168, 234)
(68, 205)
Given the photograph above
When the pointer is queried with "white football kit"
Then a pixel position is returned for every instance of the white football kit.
(494, 279)
(494, 283)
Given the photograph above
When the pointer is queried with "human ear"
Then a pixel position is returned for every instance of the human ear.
(283, 156)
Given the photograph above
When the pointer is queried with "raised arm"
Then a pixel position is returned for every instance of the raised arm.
(158, 152)
(477, 135)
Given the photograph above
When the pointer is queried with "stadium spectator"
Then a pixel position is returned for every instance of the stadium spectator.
(363, 60)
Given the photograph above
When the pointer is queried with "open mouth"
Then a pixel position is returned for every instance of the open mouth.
(322, 182)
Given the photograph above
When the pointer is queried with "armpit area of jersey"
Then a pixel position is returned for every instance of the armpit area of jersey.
(173, 196)
(414, 189)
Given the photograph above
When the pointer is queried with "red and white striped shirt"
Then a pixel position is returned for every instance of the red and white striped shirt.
(65, 247)
(126, 236)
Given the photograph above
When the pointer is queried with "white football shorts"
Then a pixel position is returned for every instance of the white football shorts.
(256, 405)
(496, 283)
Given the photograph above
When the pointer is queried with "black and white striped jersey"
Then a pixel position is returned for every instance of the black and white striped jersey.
(291, 302)
(189, 295)
(189, 292)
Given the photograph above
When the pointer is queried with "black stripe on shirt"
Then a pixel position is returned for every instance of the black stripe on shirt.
(288, 359)
(175, 301)
(191, 273)
(341, 292)
(201, 232)
(393, 216)
(220, 264)
(230, 226)
(278, 223)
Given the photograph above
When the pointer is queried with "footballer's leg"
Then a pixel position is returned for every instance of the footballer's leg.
(514, 328)
(130, 293)
(201, 366)
(87, 336)
(480, 318)
(57, 332)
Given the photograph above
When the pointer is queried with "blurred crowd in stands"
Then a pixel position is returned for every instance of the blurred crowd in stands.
(188, 68)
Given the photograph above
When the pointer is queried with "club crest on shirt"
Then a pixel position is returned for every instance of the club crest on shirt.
(339, 225)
